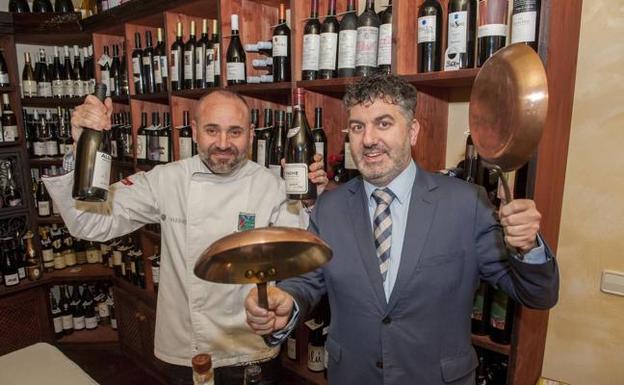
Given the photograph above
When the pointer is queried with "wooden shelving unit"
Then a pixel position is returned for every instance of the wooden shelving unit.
(86, 272)
(46, 221)
(41, 102)
(102, 334)
(302, 371)
(45, 162)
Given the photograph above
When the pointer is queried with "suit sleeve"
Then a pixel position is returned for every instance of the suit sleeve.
(533, 285)
(131, 204)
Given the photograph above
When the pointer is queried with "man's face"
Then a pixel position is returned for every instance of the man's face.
(222, 131)
(381, 137)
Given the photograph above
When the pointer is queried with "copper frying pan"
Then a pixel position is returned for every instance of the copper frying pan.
(508, 108)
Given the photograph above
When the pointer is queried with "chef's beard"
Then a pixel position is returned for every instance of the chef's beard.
(223, 166)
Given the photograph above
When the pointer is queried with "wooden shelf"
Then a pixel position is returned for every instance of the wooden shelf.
(23, 285)
(486, 343)
(49, 29)
(161, 98)
(11, 144)
(124, 99)
(51, 102)
(152, 234)
(4, 90)
(301, 370)
(145, 295)
(86, 272)
(278, 92)
(54, 219)
(42, 162)
(123, 164)
(6, 212)
(193, 94)
(103, 334)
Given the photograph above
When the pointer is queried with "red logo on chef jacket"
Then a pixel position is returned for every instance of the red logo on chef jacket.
(127, 182)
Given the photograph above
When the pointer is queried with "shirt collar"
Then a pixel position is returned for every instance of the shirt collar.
(401, 186)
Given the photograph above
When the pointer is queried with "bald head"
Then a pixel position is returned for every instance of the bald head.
(219, 97)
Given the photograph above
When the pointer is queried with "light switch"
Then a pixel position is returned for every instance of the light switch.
(612, 282)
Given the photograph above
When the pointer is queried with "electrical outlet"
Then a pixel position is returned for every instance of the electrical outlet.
(612, 282)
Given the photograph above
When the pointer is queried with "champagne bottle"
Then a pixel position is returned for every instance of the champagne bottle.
(462, 16)
(161, 68)
(216, 46)
(311, 44)
(10, 132)
(329, 43)
(177, 53)
(66, 311)
(525, 22)
(4, 70)
(189, 59)
(58, 87)
(367, 41)
(77, 310)
(278, 142)
(347, 42)
(42, 6)
(236, 58)
(320, 139)
(299, 153)
(281, 48)
(185, 138)
(137, 66)
(93, 162)
(384, 51)
(44, 83)
(19, 6)
(492, 31)
(148, 64)
(29, 84)
(88, 308)
(44, 207)
(429, 36)
(47, 254)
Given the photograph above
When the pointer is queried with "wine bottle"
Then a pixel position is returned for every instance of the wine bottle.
(58, 87)
(329, 43)
(79, 89)
(525, 22)
(177, 53)
(236, 58)
(29, 84)
(105, 72)
(47, 255)
(77, 310)
(153, 140)
(44, 83)
(148, 64)
(347, 42)
(66, 311)
(318, 133)
(51, 143)
(277, 144)
(185, 138)
(102, 305)
(429, 36)
(10, 132)
(311, 44)
(42, 6)
(299, 153)
(69, 252)
(8, 265)
(281, 48)
(501, 317)
(88, 309)
(123, 71)
(12, 195)
(216, 46)
(164, 139)
(201, 58)
(315, 345)
(155, 262)
(262, 137)
(68, 80)
(89, 69)
(492, 31)
(4, 70)
(350, 168)
(57, 319)
(384, 51)
(115, 73)
(63, 6)
(93, 163)
(471, 161)
(141, 147)
(161, 68)
(367, 41)
(462, 16)
(64, 133)
(19, 6)
(137, 66)
(189, 59)
(480, 317)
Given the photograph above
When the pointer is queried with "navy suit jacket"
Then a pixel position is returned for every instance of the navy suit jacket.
(422, 335)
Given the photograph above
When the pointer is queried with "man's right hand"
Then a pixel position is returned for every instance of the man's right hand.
(264, 321)
(93, 114)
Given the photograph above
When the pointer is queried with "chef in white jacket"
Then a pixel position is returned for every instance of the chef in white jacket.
(196, 201)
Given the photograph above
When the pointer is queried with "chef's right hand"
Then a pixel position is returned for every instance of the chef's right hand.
(264, 321)
(93, 114)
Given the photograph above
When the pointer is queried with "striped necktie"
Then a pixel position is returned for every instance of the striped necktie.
(382, 228)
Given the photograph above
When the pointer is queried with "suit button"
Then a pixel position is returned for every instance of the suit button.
(387, 320)
(379, 364)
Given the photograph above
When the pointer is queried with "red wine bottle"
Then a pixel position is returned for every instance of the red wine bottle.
(189, 59)
(525, 22)
(384, 52)
(329, 43)
(299, 153)
(347, 42)
(367, 41)
(492, 32)
(429, 36)
(236, 58)
(281, 48)
(320, 139)
(462, 18)
(311, 44)
(177, 53)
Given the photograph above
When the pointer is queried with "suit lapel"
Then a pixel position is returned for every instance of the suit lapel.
(358, 209)
(419, 218)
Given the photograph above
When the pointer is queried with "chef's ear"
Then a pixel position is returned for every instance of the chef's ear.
(194, 129)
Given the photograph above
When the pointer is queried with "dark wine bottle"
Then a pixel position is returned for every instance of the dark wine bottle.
(66, 311)
(262, 139)
(299, 153)
(42, 6)
(141, 147)
(44, 83)
(93, 162)
(316, 345)
(57, 320)
(384, 52)
(177, 53)
(318, 133)
(123, 71)
(347, 42)
(201, 52)
(88, 308)
(236, 58)
(29, 83)
(281, 48)
(137, 66)
(10, 133)
(492, 31)
(350, 168)
(429, 36)
(19, 6)
(68, 80)
(311, 44)
(79, 89)
(367, 41)
(185, 139)
(4, 70)
(189, 59)
(216, 46)
(462, 18)
(58, 87)
(329, 43)
(115, 73)
(77, 310)
(278, 142)
(480, 317)
(525, 22)
(164, 139)
(148, 64)
(501, 317)
(63, 6)
(105, 71)
(89, 70)
(161, 68)
(471, 161)
(153, 140)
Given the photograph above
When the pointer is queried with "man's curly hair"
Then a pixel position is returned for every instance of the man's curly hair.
(389, 88)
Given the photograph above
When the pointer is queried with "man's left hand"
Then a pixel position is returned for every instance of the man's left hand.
(521, 222)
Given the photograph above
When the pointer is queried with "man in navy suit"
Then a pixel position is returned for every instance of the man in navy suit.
(410, 248)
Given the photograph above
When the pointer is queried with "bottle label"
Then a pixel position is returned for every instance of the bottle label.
(57, 88)
(136, 68)
(68, 322)
(348, 158)
(292, 348)
(492, 30)
(188, 65)
(79, 322)
(113, 148)
(210, 66)
(523, 27)
(69, 88)
(156, 274)
(347, 48)
(153, 148)
(311, 52)
(315, 358)
(164, 68)
(10, 133)
(47, 255)
(70, 258)
(44, 89)
(114, 323)
(101, 170)
(276, 169)
(261, 147)
(156, 67)
(329, 48)
(384, 56)
(58, 325)
(280, 46)
(51, 148)
(147, 61)
(163, 142)
(43, 208)
(296, 177)
(427, 29)
(319, 148)
(116, 258)
(236, 71)
(200, 57)
(367, 43)
(39, 148)
(79, 88)
(110, 89)
(93, 256)
(106, 79)
(498, 315)
(457, 32)
(21, 273)
(141, 146)
(186, 147)
(103, 309)
(91, 322)
(11, 279)
(4, 78)
(217, 55)
(30, 88)
(91, 83)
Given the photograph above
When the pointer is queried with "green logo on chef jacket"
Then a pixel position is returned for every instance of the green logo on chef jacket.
(246, 221)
